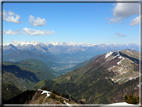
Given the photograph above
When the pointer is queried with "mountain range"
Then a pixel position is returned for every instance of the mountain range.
(59, 56)
(65, 47)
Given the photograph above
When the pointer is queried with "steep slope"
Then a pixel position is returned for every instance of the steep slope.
(20, 76)
(40, 69)
(99, 79)
(9, 91)
(24, 74)
(22, 79)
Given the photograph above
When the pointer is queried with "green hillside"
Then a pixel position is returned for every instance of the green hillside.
(22, 79)
(25, 74)
(9, 91)
(40, 69)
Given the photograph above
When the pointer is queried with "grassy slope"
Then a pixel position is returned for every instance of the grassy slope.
(40, 69)
(21, 78)
(9, 91)
(25, 74)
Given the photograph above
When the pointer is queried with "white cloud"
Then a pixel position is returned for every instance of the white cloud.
(11, 17)
(11, 13)
(119, 34)
(9, 32)
(37, 22)
(33, 32)
(116, 19)
(135, 21)
(122, 11)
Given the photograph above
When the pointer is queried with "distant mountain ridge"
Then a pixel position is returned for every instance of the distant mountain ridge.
(16, 43)
(67, 47)
(24, 55)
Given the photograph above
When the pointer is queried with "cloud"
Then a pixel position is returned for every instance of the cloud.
(33, 32)
(9, 32)
(119, 34)
(122, 11)
(37, 22)
(11, 17)
(135, 21)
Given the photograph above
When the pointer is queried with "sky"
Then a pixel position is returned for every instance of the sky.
(93, 23)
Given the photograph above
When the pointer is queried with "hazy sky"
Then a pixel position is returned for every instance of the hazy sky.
(75, 22)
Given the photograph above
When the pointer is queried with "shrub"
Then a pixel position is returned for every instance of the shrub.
(132, 99)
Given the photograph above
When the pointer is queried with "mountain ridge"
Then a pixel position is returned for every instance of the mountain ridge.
(93, 81)
(14, 42)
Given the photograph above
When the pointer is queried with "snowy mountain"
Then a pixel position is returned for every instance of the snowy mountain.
(67, 47)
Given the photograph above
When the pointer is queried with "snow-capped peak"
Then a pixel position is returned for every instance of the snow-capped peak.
(16, 43)
(54, 43)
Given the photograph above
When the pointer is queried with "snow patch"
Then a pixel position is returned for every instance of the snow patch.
(111, 68)
(44, 91)
(120, 61)
(121, 104)
(120, 69)
(69, 105)
(130, 78)
(108, 54)
(117, 80)
(118, 55)
(123, 72)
